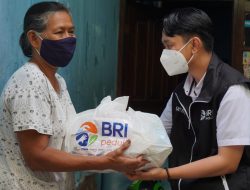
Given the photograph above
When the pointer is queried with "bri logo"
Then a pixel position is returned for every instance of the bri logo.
(180, 109)
(114, 129)
(87, 134)
(206, 115)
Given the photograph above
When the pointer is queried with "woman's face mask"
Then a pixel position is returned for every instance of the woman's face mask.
(174, 61)
(57, 52)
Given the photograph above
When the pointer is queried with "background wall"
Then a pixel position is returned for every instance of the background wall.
(92, 73)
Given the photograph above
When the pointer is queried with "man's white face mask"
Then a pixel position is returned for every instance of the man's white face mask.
(174, 61)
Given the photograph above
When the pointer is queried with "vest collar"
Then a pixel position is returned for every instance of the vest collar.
(210, 80)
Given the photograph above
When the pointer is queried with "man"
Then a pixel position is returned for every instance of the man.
(207, 115)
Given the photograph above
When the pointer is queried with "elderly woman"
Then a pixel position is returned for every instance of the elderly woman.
(35, 105)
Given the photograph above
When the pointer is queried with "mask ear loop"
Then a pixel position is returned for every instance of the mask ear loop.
(184, 47)
(190, 59)
(39, 36)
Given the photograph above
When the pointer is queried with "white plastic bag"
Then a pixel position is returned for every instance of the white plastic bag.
(106, 128)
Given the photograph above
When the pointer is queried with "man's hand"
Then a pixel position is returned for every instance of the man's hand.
(151, 174)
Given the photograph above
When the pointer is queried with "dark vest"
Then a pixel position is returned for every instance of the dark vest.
(193, 134)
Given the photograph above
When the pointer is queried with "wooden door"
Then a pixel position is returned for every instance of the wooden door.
(140, 74)
(241, 34)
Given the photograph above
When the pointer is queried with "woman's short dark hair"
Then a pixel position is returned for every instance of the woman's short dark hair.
(36, 19)
(190, 21)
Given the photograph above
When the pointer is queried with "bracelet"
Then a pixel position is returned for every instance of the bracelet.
(168, 173)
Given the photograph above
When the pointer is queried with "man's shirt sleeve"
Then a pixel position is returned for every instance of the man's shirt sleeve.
(233, 117)
(166, 116)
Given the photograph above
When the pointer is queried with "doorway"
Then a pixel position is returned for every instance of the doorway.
(140, 74)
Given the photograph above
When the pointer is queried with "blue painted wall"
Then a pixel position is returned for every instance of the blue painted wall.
(92, 73)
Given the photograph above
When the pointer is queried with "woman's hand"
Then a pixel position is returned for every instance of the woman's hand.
(40, 157)
(117, 161)
(151, 174)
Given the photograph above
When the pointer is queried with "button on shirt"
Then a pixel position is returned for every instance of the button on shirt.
(192, 88)
(232, 120)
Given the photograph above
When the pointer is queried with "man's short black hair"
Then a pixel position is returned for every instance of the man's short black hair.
(190, 21)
